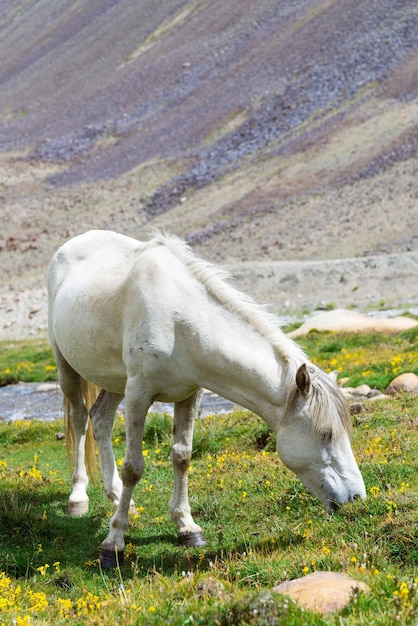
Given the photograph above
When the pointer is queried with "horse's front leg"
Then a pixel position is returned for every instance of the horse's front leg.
(136, 407)
(103, 417)
(189, 533)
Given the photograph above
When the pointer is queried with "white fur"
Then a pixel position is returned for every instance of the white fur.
(151, 321)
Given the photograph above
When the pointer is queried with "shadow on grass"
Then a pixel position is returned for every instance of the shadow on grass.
(162, 553)
(35, 529)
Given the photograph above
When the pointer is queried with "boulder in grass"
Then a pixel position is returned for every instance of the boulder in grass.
(322, 592)
(344, 321)
(406, 383)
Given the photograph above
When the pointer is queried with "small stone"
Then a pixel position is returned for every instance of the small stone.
(363, 390)
(407, 383)
(356, 408)
(209, 587)
(322, 592)
(42, 387)
(378, 396)
(342, 381)
(374, 393)
(60, 436)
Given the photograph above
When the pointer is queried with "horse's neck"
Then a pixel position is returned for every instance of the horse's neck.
(244, 368)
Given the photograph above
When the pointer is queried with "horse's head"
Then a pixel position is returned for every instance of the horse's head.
(313, 439)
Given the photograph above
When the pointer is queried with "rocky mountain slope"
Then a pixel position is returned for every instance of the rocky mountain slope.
(263, 132)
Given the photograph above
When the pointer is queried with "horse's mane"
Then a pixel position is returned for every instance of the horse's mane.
(328, 407)
(215, 280)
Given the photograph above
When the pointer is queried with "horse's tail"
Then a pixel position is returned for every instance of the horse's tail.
(90, 394)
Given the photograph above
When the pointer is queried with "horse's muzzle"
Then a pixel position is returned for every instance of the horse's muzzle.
(333, 506)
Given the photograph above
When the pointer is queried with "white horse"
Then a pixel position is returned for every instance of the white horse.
(149, 321)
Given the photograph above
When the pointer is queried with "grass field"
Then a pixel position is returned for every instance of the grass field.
(262, 525)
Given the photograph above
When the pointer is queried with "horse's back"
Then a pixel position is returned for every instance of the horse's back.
(94, 252)
(101, 263)
(111, 296)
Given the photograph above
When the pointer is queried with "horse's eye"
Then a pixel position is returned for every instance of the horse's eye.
(326, 437)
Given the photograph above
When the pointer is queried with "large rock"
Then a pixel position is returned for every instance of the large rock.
(342, 320)
(322, 592)
(407, 383)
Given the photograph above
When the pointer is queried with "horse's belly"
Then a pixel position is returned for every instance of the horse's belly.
(97, 364)
(92, 348)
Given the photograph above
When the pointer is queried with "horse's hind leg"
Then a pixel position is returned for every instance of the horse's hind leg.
(189, 533)
(71, 385)
(103, 416)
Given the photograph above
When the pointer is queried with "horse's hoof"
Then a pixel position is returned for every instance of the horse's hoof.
(193, 539)
(78, 508)
(110, 558)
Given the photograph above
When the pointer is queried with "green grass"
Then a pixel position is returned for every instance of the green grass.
(27, 361)
(372, 358)
(261, 524)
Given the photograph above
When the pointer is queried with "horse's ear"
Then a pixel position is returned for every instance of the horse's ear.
(303, 381)
(334, 375)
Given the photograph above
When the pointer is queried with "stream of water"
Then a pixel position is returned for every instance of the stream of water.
(43, 401)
